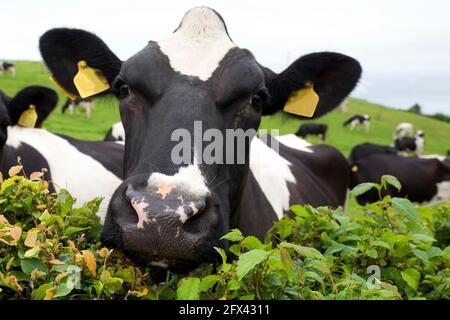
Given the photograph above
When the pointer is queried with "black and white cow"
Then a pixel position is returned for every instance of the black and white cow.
(7, 67)
(316, 129)
(366, 149)
(87, 168)
(421, 179)
(115, 133)
(77, 104)
(171, 214)
(414, 144)
(358, 120)
(403, 129)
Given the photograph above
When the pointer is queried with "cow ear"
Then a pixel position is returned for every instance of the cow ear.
(312, 85)
(81, 64)
(32, 105)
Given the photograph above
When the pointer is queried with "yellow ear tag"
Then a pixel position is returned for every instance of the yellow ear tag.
(354, 168)
(29, 117)
(66, 92)
(303, 102)
(89, 81)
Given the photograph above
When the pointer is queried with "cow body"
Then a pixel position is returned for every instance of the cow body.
(404, 129)
(7, 67)
(366, 149)
(78, 103)
(317, 129)
(88, 169)
(358, 120)
(419, 177)
(300, 173)
(411, 144)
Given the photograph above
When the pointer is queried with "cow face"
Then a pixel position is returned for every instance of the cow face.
(167, 213)
(5, 121)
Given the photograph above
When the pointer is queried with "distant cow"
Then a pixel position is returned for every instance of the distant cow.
(344, 105)
(358, 120)
(412, 145)
(74, 105)
(115, 133)
(366, 149)
(404, 129)
(316, 129)
(419, 177)
(7, 67)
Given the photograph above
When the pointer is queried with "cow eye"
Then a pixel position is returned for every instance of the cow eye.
(260, 97)
(123, 91)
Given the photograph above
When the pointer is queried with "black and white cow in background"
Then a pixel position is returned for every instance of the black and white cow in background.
(403, 129)
(316, 129)
(173, 215)
(77, 104)
(358, 120)
(7, 67)
(421, 179)
(414, 144)
(86, 168)
(115, 133)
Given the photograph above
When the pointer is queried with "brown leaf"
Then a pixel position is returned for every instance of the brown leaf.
(1, 177)
(14, 170)
(3, 220)
(30, 241)
(56, 261)
(31, 252)
(89, 259)
(16, 232)
(36, 175)
(8, 265)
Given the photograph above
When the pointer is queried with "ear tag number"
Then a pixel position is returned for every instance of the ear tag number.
(29, 117)
(66, 92)
(303, 102)
(89, 81)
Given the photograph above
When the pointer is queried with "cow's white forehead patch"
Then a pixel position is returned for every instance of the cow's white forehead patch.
(198, 45)
(272, 173)
(188, 180)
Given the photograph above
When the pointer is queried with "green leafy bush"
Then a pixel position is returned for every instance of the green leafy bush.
(390, 249)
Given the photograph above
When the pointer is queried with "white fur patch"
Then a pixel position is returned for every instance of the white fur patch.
(199, 44)
(272, 173)
(77, 172)
(433, 156)
(117, 131)
(443, 192)
(188, 179)
(294, 142)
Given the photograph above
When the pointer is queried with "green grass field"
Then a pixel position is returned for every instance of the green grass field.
(384, 119)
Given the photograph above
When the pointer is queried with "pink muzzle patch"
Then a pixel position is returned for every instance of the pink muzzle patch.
(139, 208)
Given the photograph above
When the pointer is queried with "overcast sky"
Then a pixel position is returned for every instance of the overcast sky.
(403, 45)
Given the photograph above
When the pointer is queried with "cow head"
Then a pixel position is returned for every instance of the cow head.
(168, 213)
(44, 99)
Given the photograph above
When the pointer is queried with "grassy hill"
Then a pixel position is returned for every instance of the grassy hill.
(106, 112)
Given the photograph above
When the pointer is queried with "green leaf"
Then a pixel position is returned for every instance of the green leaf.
(405, 206)
(362, 188)
(372, 252)
(234, 235)
(71, 230)
(251, 242)
(446, 253)
(422, 237)
(234, 285)
(393, 181)
(39, 293)
(209, 281)
(189, 289)
(411, 277)
(28, 265)
(248, 261)
(306, 252)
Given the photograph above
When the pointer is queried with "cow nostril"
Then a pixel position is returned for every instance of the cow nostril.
(189, 210)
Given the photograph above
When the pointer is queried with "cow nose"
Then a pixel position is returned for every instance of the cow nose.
(163, 203)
